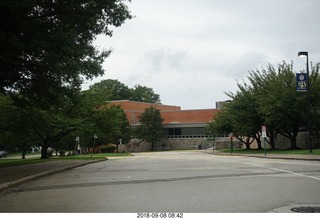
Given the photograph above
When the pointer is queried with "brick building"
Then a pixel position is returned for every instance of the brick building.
(184, 129)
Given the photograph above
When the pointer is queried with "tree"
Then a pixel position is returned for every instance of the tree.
(45, 54)
(150, 128)
(114, 89)
(270, 99)
(315, 103)
(144, 94)
(243, 112)
(110, 124)
(221, 124)
(42, 45)
(280, 104)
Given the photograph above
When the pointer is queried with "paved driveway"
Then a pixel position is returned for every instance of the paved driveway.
(177, 181)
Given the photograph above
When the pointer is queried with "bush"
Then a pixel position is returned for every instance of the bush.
(49, 152)
(107, 149)
(62, 153)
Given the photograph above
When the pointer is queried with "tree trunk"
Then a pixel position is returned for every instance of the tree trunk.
(272, 142)
(246, 142)
(257, 137)
(44, 150)
(293, 141)
(23, 152)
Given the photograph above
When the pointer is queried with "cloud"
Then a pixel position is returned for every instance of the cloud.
(164, 59)
(191, 51)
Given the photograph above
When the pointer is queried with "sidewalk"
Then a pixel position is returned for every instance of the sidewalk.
(306, 157)
(14, 175)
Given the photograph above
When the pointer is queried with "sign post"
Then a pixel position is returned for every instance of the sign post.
(231, 142)
(76, 146)
(264, 135)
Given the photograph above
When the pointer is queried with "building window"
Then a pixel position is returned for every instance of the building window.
(186, 132)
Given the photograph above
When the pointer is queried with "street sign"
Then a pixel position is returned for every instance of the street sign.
(301, 80)
(264, 131)
(264, 135)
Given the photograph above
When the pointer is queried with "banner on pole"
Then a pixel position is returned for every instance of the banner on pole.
(301, 80)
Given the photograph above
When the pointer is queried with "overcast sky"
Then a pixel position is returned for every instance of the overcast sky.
(192, 51)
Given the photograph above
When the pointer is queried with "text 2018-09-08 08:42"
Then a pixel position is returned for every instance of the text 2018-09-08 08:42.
(159, 215)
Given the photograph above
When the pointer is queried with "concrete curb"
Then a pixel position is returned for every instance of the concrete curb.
(289, 157)
(7, 185)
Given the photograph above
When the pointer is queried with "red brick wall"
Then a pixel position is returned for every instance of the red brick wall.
(169, 113)
(141, 106)
(184, 116)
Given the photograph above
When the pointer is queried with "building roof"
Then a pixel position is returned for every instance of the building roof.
(141, 106)
(170, 114)
(189, 116)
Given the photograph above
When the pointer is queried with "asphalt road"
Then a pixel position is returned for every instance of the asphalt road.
(184, 181)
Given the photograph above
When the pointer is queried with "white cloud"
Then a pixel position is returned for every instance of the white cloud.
(191, 51)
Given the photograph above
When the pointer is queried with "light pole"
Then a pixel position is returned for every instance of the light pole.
(231, 143)
(77, 144)
(94, 142)
(305, 54)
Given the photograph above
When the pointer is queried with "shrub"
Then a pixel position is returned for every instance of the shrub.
(107, 149)
(62, 153)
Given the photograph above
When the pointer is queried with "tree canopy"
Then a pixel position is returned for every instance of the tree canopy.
(48, 44)
(115, 90)
(150, 127)
(270, 98)
(46, 52)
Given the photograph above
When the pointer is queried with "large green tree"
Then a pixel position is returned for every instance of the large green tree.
(150, 126)
(144, 94)
(113, 89)
(116, 90)
(269, 99)
(47, 44)
(46, 51)
(245, 117)
(315, 103)
(15, 132)
(282, 107)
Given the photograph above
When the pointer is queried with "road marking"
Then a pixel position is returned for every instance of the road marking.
(285, 171)
(276, 169)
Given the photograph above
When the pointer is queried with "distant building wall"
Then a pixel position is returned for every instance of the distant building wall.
(283, 143)
(189, 116)
(167, 144)
(184, 129)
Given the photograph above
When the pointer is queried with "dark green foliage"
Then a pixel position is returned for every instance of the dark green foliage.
(48, 44)
(115, 90)
(107, 149)
(45, 53)
(150, 128)
(144, 94)
(270, 99)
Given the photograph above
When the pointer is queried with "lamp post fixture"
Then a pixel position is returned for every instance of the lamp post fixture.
(305, 54)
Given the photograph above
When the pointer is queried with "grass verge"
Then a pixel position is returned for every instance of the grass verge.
(270, 151)
(94, 156)
(6, 162)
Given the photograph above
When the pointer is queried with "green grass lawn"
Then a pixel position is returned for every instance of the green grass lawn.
(5, 162)
(93, 157)
(15, 162)
(269, 151)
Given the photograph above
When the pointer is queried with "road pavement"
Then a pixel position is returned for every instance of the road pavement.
(15, 175)
(177, 181)
(11, 176)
